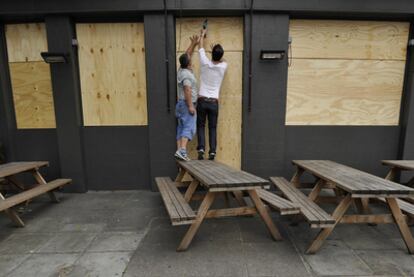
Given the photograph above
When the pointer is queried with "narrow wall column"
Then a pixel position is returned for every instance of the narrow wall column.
(264, 125)
(66, 94)
(161, 123)
(7, 119)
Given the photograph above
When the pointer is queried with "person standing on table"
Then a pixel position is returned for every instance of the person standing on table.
(211, 76)
(187, 97)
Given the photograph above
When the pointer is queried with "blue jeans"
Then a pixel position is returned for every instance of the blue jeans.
(186, 122)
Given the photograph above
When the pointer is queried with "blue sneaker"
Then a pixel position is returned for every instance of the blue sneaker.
(182, 155)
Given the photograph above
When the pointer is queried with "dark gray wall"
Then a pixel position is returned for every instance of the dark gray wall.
(117, 157)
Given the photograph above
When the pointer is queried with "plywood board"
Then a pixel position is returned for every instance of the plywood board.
(228, 31)
(26, 41)
(344, 92)
(344, 39)
(230, 106)
(112, 71)
(32, 95)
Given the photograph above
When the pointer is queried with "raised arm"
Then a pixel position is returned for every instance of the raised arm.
(194, 41)
(201, 48)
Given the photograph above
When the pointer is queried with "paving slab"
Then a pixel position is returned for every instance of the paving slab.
(109, 264)
(203, 258)
(69, 242)
(23, 243)
(335, 258)
(253, 229)
(84, 227)
(133, 219)
(388, 262)
(45, 265)
(273, 259)
(9, 262)
(115, 241)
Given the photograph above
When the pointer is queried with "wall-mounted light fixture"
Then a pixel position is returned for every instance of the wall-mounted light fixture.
(49, 57)
(272, 54)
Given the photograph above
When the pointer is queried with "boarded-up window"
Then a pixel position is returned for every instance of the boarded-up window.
(30, 76)
(229, 33)
(346, 72)
(112, 73)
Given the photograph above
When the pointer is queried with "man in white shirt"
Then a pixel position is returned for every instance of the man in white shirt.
(211, 76)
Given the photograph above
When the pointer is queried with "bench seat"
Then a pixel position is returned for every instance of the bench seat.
(314, 214)
(280, 204)
(31, 193)
(405, 206)
(178, 209)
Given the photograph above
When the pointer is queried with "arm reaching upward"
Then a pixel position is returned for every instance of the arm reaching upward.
(201, 49)
(194, 41)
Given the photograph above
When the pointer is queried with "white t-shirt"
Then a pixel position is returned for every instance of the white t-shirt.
(211, 76)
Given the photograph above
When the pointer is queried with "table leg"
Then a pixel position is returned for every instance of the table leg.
(391, 174)
(325, 232)
(402, 224)
(313, 195)
(238, 195)
(39, 178)
(410, 183)
(12, 179)
(190, 190)
(13, 215)
(201, 213)
(180, 175)
(296, 177)
(265, 215)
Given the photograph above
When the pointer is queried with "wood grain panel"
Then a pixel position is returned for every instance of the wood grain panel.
(26, 41)
(112, 71)
(32, 95)
(349, 39)
(344, 92)
(228, 31)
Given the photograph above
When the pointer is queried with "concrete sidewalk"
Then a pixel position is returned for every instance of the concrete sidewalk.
(129, 234)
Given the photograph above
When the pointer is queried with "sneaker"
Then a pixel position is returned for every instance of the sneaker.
(211, 156)
(201, 154)
(182, 155)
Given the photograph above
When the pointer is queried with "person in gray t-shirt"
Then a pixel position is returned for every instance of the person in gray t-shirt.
(187, 97)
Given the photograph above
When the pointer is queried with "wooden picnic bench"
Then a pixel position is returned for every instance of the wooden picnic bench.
(398, 166)
(351, 186)
(217, 179)
(9, 171)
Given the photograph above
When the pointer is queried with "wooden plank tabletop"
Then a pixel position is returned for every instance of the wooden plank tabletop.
(217, 175)
(12, 168)
(402, 164)
(353, 180)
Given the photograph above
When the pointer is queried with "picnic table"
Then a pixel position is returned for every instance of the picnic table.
(9, 172)
(351, 186)
(398, 166)
(217, 179)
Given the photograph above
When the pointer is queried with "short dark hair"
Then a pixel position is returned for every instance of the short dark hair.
(184, 60)
(217, 52)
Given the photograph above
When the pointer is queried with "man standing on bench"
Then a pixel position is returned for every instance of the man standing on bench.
(211, 76)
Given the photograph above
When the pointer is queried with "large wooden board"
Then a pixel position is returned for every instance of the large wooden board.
(32, 95)
(230, 105)
(228, 31)
(26, 41)
(346, 72)
(112, 72)
(342, 39)
(344, 92)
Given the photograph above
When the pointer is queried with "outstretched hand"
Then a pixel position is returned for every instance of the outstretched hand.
(194, 39)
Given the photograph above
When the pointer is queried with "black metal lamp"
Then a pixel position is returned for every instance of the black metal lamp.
(272, 54)
(53, 57)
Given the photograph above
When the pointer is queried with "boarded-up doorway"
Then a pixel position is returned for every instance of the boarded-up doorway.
(229, 33)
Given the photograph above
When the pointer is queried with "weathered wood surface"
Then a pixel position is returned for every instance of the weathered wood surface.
(178, 209)
(213, 174)
(354, 181)
(314, 214)
(405, 207)
(13, 168)
(31, 193)
(282, 205)
(401, 164)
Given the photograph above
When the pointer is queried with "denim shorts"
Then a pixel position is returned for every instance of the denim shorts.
(186, 122)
